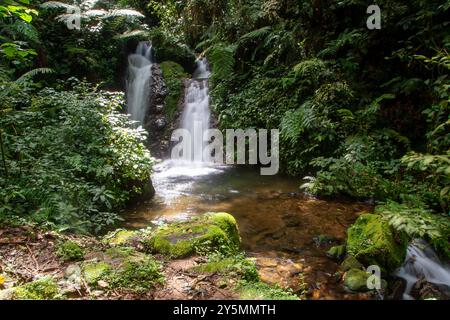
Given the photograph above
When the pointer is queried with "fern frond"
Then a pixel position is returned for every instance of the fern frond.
(221, 57)
(123, 13)
(34, 72)
(132, 34)
(58, 5)
(256, 34)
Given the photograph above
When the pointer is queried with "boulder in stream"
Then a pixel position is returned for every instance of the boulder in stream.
(373, 242)
(200, 235)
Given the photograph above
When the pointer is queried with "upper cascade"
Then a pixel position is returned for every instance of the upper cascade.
(138, 81)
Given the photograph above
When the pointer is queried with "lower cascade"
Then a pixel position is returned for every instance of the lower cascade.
(138, 81)
(196, 113)
(422, 263)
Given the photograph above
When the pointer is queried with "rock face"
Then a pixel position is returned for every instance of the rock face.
(165, 106)
(372, 242)
(155, 119)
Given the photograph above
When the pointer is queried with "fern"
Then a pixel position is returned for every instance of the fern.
(256, 34)
(418, 222)
(33, 73)
(221, 57)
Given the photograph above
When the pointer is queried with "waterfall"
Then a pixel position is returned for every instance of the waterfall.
(196, 113)
(138, 81)
(422, 262)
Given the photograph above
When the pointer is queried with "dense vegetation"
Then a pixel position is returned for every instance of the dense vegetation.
(362, 113)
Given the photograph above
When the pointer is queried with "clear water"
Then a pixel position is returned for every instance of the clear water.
(276, 221)
(422, 262)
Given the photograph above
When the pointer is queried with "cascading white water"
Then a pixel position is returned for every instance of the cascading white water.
(196, 113)
(138, 81)
(422, 261)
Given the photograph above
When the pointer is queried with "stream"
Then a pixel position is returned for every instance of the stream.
(280, 227)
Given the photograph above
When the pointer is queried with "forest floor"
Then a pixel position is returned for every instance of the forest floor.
(27, 254)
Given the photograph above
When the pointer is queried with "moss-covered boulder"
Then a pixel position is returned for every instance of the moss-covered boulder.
(372, 241)
(356, 280)
(123, 268)
(350, 262)
(336, 252)
(41, 289)
(212, 232)
(119, 237)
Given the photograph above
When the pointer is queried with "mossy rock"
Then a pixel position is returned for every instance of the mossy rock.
(336, 252)
(212, 232)
(69, 250)
(124, 268)
(41, 289)
(350, 262)
(94, 271)
(372, 241)
(173, 74)
(356, 280)
(119, 237)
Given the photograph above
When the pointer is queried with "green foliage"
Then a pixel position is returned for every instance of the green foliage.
(418, 222)
(42, 289)
(372, 241)
(69, 251)
(173, 75)
(69, 158)
(212, 232)
(231, 266)
(263, 291)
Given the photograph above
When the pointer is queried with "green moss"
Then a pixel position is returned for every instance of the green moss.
(69, 250)
(94, 271)
(136, 275)
(262, 291)
(212, 232)
(350, 262)
(124, 268)
(336, 252)
(173, 74)
(356, 280)
(118, 237)
(42, 289)
(233, 266)
(372, 241)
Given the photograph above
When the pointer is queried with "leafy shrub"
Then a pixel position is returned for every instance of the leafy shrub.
(418, 222)
(70, 158)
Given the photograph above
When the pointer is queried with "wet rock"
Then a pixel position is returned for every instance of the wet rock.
(356, 280)
(423, 290)
(349, 263)
(372, 241)
(160, 123)
(396, 289)
(323, 240)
